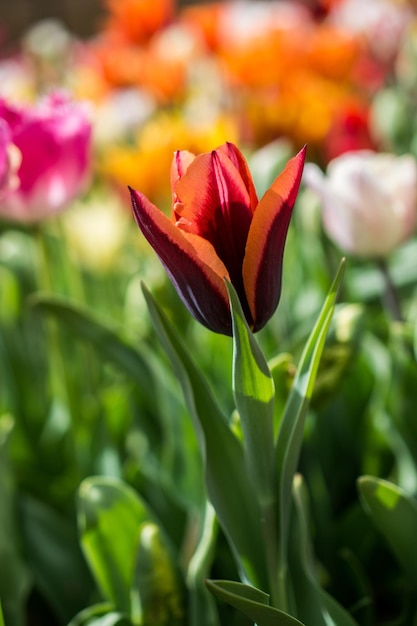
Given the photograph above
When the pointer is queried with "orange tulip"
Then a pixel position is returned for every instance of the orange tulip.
(220, 230)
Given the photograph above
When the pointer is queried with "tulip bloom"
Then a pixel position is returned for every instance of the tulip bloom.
(369, 201)
(220, 230)
(10, 159)
(54, 139)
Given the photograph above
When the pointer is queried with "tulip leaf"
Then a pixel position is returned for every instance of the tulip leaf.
(314, 605)
(291, 431)
(254, 393)
(202, 605)
(394, 514)
(86, 326)
(156, 580)
(251, 602)
(100, 615)
(227, 479)
(110, 514)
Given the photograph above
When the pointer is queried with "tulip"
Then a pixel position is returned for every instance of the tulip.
(369, 201)
(54, 141)
(10, 158)
(219, 230)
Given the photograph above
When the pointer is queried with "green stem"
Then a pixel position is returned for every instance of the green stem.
(58, 374)
(391, 298)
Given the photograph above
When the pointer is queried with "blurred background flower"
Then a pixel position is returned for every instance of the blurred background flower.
(369, 201)
(53, 137)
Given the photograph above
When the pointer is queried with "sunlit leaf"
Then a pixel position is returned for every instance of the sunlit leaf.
(251, 602)
(156, 581)
(110, 514)
(93, 614)
(105, 340)
(202, 604)
(227, 478)
(290, 435)
(254, 392)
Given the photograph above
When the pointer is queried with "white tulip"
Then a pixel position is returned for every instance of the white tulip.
(369, 200)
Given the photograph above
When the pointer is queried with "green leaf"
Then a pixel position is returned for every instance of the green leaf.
(15, 579)
(202, 605)
(251, 602)
(160, 596)
(254, 393)
(1, 616)
(110, 514)
(227, 479)
(314, 605)
(394, 513)
(91, 615)
(81, 322)
(290, 435)
(51, 547)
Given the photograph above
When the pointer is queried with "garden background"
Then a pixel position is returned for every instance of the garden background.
(133, 488)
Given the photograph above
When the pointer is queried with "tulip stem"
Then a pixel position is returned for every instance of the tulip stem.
(390, 296)
(60, 387)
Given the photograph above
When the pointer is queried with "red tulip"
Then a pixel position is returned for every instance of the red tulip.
(219, 230)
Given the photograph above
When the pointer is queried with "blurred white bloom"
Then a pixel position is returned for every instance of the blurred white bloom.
(121, 114)
(369, 200)
(17, 81)
(244, 21)
(381, 22)
(47, 39)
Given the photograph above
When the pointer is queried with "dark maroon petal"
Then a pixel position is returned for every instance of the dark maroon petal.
(191, 263)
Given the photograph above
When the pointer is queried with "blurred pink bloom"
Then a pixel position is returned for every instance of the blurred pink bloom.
(54, 139)
(369, 200)
(10, 159)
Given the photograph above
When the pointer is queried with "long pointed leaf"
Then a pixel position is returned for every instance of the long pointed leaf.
(394, 513)
(86, 326)
(253, 389)
(292, 427)
(227, 479)
(314, 605)
(110, 514)
(202, 604)
(251, 602)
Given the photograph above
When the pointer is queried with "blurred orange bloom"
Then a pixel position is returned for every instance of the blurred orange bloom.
(135, 20)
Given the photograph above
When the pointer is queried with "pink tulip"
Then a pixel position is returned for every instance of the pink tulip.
(54, 139)
(369, 200)
(10, 159)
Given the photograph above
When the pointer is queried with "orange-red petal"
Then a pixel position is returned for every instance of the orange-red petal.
(262, 265)
(191, 263)
(180, 163)
(237, 158)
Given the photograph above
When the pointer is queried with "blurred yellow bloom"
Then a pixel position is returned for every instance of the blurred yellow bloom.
(96, 229)
(145, 164)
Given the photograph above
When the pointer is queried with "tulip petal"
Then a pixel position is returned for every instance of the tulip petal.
(239, 161)
(180, 163)
(191, 263)
(214, 203)
(262, 265)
